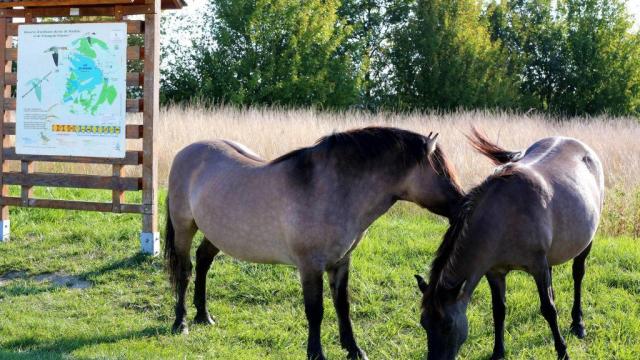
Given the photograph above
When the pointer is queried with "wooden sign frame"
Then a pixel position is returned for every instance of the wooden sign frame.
(118, 183)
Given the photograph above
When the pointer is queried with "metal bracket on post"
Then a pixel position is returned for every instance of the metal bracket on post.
(150, 243)
(5, 230)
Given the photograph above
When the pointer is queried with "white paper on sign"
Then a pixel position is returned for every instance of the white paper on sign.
(71, 93)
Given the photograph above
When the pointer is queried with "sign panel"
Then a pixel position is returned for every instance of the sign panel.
(71, 93)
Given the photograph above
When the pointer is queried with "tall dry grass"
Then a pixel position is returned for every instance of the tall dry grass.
(271, 132)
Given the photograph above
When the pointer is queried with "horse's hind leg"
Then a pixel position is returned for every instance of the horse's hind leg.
(577, 325)
(204, 258)
(339, 284)
(498, 287)
(182, 273)
(547, 306)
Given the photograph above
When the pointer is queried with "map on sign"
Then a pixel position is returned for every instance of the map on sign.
(71, 93)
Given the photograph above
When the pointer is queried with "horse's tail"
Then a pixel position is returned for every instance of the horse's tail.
(492, 150)
(170, 249)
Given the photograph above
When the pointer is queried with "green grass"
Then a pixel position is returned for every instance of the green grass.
(128, 312)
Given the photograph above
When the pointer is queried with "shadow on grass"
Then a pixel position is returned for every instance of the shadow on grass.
(131, 262)
(33, 348)
(20, 287)
(25, 289)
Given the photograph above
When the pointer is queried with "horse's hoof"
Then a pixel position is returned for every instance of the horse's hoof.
(578, 330)
(204, 319)
(319, 356)
(497, 356)
(357, 355)
(180, 328)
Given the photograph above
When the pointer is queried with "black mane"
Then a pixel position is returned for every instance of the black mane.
(352, 152)
(442, 266)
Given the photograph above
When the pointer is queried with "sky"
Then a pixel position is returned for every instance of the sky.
(634, 8)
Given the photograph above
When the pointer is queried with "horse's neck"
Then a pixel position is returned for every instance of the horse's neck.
(472, 260)
(368, 198)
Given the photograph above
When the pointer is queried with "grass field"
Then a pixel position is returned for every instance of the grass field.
(127, 312)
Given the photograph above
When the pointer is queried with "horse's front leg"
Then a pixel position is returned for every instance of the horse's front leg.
(312, 291)
(498, 287)
(548, 307)
(577, 325)
(339, 284)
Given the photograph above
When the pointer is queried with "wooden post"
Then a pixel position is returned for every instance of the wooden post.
(5, 116)
(150, 236)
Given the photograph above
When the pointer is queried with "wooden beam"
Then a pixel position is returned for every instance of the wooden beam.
(26, 192)
(71, 205)
(52, 3)
(132, 157)
(73, 181)
(133, 26)
(117, 196)
(166, 4)
(107, 11)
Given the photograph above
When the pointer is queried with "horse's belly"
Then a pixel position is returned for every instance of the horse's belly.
(563, 251)
(248, 246)
(572, 233)
(245, 238)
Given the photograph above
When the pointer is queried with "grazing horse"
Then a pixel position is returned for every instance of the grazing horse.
(309, 208)
(539, 209)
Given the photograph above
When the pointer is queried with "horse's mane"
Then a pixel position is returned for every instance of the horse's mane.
(392, 149)
(443, 265)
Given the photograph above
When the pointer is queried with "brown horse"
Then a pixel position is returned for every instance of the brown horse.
(308, 208)
(541, 208)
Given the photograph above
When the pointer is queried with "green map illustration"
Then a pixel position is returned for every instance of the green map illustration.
(87, 88)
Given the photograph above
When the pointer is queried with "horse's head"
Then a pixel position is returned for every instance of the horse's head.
(432, 183)
(444, 319)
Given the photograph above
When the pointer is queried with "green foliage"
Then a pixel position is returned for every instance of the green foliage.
(370, 23)
(570, 57)
(443, 57)
(577, 57)
(270, 52)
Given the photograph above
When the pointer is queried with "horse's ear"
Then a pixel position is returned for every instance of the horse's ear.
(431, 141)
(422, 285)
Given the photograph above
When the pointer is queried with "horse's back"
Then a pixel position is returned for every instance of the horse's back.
(572, 174)
(199, 163)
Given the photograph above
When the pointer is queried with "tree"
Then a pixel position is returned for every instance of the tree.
(284, 52)
(579, 57)
(603, 59)
(443, 57)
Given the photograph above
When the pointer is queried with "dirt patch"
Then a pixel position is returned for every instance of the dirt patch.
(58, 279)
